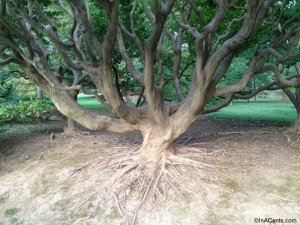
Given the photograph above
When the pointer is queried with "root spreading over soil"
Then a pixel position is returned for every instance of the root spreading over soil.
(222, 172)
(136, 181)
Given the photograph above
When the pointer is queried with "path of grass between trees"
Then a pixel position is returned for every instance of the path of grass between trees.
(252, 111)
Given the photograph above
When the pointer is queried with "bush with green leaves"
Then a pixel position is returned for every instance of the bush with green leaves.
(5, 89)
(4, 128)
(6, 85)
(15, 85)
(26, 111)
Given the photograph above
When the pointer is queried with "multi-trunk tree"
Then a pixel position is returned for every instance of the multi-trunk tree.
(168, 40)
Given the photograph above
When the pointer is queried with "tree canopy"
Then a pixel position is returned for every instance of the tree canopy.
(189, 44)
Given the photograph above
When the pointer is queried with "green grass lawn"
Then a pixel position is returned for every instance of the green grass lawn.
(258, 111)
(89, 102)
(254, 111)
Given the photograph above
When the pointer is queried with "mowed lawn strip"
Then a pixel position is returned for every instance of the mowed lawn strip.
(89, 102)
(252, 111)
(258, 111)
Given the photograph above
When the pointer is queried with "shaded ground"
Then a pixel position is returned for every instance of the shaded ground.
(49, 182)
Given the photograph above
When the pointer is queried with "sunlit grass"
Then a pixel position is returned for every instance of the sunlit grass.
(258, 111)
(89, 102)
(253, 111)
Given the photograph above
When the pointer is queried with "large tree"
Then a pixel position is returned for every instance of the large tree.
(169, 40)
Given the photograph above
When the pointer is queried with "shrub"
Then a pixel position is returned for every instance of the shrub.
(26, 111)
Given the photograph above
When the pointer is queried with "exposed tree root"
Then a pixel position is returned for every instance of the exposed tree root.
(148, 181)
(79, 169)
(292, 136)
(137, 181)
(205, 143)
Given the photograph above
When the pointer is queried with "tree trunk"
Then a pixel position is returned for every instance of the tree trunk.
(157, 144)
(295, 99)
(296, 126)
(71, 128)
(285, 98)
(39, 94)
(254, 87)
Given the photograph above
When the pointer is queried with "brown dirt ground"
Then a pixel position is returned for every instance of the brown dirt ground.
(49, 182)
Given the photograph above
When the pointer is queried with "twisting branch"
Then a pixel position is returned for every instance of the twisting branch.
(275, 85)
(133, 34)
(205, 66)
(223, 69)
(237, 86)
(51, 34)
(221, 105)
(83, 30)
(293, 43)
(76, 87)
(239, 7)
(116, 73)
(187, 65)
(197, 12)
(154, 95)
(176, 66)
(261, 13)
(176, 46)
(228, 30)
(132, 17)
(3, 7)
(99, 98)
(87, 8)
(192, 30)
(159, 55)
(135, 38)
(127, 59)
(66, 8)
(7, 61)
(283, 80)
(43, 15)
(237, 40)
(148, 12)
(139, 101)
(289, 21)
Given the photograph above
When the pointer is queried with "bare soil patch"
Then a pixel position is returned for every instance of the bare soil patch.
(60, 181)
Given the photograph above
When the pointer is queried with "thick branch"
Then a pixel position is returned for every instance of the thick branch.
(154, 96)
(224, 103)
(135, 38)
(238, 39)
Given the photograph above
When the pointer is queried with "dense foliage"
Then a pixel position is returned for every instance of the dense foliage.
(27, 111)
(18, 100)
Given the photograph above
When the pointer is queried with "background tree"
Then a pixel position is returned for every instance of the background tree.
(160, 42)
(295, 99)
